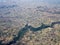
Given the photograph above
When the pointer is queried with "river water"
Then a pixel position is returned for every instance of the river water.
(8, 4)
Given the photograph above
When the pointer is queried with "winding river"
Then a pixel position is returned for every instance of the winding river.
(22, 31)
